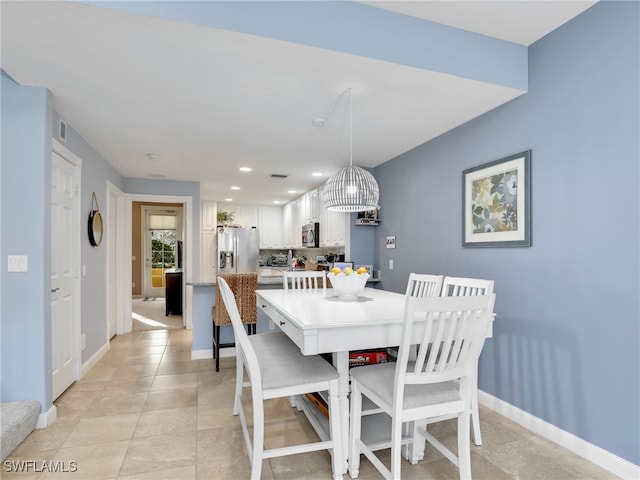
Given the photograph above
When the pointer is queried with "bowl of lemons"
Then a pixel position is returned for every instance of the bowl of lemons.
(348, 283)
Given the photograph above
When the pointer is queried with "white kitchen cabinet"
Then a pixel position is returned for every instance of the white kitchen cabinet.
(245, 216)
(286, 226)
(270, 227)
(208, 255)
(208, 214)
(332, 225)
(311, 213)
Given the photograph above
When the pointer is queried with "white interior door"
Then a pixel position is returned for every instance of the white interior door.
(63, 322)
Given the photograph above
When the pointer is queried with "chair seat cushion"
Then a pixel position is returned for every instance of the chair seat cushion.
(379, 378)
(282, 364)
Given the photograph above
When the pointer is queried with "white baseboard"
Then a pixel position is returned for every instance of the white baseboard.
(204, 354)
(607, 460)
(47, 418)
(95, 358)
(201, 354)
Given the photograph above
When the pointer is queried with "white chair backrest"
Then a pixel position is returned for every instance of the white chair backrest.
(462, 287)
(423, 285)
(307, 279)
(454, 333)
(244, 349)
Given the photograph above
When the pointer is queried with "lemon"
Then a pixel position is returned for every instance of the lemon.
(336, 270)
(348, 271)
(361, 270)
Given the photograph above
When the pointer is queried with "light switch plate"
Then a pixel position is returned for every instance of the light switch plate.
(17, 263)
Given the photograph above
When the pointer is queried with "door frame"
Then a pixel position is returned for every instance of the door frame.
(115, 246)
(125, 323)
(76, 340)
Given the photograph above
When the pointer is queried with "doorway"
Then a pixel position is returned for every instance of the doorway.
(162, 240)
(130, 260)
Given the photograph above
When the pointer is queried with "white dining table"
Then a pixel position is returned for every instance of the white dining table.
(319, 322)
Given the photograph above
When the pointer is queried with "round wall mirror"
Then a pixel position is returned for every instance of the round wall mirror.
(95, 222)
(95, 228)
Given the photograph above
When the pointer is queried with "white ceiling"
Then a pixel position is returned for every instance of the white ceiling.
(216, 100)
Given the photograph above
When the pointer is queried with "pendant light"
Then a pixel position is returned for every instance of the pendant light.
(351, 189)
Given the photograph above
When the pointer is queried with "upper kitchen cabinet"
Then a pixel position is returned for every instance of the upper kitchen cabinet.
(332, 225)
(244, 215)
(310, 207)
(208, 215)
(270, 226)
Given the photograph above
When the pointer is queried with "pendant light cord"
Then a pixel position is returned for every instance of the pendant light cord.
(350, 127)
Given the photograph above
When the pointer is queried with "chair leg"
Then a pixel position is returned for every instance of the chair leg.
(396, 447)
(216, 348)
(475, 417)
(239, 381)
(418, 444)
(258, 435)
(464, 445)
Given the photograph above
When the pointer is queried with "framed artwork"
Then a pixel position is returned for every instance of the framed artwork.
(391, 241)
(496, 203)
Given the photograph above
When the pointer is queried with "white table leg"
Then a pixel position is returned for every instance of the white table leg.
(341, 362)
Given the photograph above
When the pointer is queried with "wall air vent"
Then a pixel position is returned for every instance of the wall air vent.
(62, 130)
(278, 175)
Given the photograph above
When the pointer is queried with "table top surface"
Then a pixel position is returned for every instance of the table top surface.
(318, 309)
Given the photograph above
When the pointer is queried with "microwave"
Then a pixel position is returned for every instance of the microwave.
(311, 235)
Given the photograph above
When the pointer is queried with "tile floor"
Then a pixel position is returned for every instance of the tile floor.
(147, 411)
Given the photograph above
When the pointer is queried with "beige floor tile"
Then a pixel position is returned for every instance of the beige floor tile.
(97, 462)
(168, 367)
(240, 468)
(117, 403)
(166, 422)
(179, 473)
(215, 417)
(162, 452)
(180, 380)
(175, 398)
(221, 445)
(102, 429)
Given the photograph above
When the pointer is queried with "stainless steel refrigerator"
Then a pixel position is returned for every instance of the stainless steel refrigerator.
(238, 250)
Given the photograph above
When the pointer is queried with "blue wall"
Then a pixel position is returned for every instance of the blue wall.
(93, 285)
(25, 327)
(565, 345)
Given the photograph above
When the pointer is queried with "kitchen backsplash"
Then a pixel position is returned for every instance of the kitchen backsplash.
(311, 253)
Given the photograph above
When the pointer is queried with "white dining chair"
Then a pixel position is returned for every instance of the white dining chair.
(304, 279)
(276, 368)
(424, 285)
(435, 385)
(460, 286)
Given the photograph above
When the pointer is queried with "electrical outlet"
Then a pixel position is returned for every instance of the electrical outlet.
(133, 284)
(83, 340)
(17, 263)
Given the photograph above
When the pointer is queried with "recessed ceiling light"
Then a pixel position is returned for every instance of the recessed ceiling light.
(317, 174)
(276, 201)
(245, 169)
(292, 191)
(235, 188)
(228, 199)
(153, 156)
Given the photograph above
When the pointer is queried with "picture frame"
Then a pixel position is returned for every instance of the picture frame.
(391, 241)
(496, 203)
